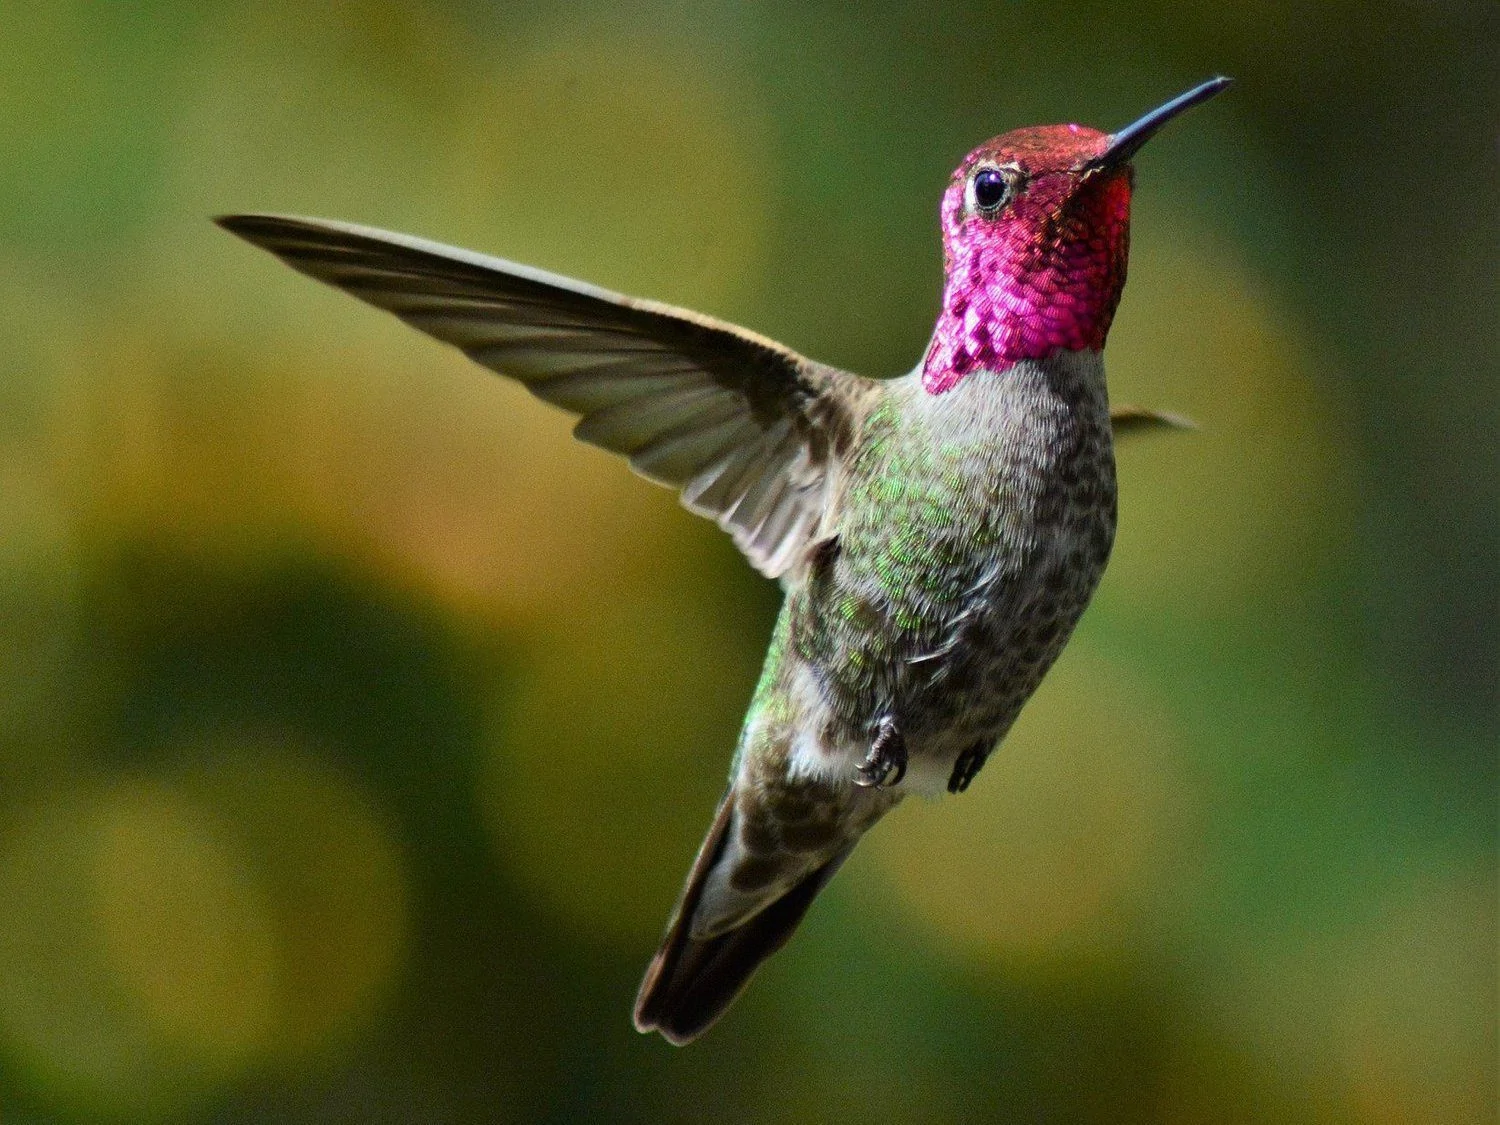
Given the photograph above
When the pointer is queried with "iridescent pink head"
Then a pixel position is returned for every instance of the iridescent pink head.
(1036, 231)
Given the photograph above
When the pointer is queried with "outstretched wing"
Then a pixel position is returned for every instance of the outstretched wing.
(744, 427)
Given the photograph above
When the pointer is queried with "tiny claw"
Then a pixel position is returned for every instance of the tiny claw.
(967, 767)
(887, 755)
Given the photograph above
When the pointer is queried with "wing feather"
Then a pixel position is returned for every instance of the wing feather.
(1128, 419)
(746, 429)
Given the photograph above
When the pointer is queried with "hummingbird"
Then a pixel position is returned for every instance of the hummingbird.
(937, 535)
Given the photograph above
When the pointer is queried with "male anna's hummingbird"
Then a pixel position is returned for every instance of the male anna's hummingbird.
(937, 535)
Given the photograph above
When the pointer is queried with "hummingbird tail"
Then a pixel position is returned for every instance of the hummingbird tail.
(692, 980)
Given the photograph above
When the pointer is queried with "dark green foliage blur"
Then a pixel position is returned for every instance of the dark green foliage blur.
(357, 726)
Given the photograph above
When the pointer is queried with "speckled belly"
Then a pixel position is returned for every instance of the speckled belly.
(1003, 647)
(971, 534)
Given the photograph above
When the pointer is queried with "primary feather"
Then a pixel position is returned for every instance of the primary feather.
(744, 427)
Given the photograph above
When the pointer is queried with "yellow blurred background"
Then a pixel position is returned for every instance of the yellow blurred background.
(357, 726)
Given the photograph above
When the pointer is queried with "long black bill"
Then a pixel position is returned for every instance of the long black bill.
(1124, 144)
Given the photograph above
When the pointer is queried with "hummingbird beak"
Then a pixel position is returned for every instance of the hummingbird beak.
(1124, 144)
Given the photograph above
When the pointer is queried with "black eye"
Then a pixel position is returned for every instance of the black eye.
(991, 186)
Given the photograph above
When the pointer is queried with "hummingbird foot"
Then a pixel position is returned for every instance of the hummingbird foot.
(969, 763)
(887, 755)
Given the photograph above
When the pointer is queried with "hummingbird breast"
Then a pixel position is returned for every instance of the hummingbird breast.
(969, 531)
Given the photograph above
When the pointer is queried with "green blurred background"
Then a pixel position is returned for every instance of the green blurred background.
(357, 726)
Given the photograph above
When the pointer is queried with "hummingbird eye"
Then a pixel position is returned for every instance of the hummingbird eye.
(991, 188)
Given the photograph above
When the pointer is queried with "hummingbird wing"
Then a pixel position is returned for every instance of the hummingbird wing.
(1135, 419)
(744, 427)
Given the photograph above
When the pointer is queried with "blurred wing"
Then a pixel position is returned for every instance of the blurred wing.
(744, 427)
(1134, 420)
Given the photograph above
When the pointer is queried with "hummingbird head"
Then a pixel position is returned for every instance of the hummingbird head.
(1036, 231)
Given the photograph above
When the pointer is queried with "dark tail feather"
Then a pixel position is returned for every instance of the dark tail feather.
(691, 982)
